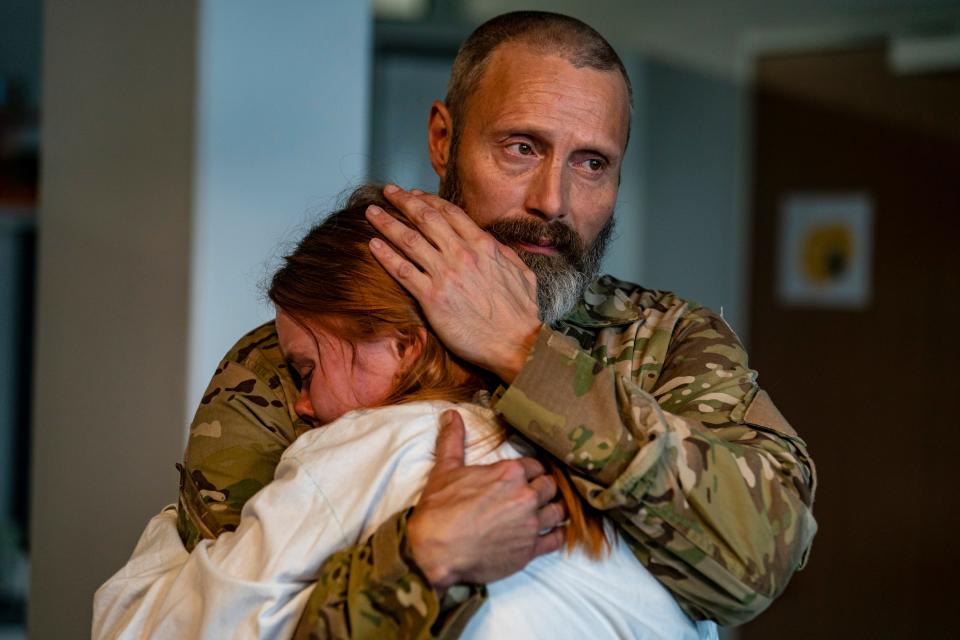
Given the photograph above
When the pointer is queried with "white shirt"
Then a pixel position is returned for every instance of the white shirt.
(333, 487)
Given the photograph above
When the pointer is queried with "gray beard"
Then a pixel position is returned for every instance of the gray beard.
(561, 278)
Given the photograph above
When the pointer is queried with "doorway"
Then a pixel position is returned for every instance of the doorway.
(871, 387)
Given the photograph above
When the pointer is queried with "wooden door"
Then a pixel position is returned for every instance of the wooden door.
(875, 392)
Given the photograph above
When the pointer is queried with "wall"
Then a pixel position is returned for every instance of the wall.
(869, 386)
(282, 119)
(404, 88)
(112, 292)
(625, 257)
(180, 141)
(694, 162)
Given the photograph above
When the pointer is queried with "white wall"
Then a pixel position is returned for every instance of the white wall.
(180, 140)
(282, 119)
(625, 256)
(404, 88)
(694, 171)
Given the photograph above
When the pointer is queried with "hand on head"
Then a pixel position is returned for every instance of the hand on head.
(479, 296)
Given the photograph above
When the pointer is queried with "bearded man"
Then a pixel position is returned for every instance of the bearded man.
(646, 397)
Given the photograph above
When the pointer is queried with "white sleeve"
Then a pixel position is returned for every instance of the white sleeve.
(122, 605)
(253, 582)
(332, 487)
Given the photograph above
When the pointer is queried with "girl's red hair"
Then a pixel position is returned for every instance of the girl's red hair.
(331, 280)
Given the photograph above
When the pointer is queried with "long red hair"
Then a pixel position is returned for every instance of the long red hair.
(331, 280)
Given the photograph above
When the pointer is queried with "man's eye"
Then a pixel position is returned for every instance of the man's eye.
(522, 148)
(595, 165)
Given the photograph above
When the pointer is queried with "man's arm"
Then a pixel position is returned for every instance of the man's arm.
(242, 427)
(716, 506)
(408, 553)
(671, 476)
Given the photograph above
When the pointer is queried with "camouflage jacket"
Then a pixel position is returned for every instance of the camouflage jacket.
(648, 399)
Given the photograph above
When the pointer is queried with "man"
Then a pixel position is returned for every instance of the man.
(647, 398)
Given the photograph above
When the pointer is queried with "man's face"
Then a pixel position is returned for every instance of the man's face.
(537, 163)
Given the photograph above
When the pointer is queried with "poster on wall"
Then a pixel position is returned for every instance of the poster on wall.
(826, 250)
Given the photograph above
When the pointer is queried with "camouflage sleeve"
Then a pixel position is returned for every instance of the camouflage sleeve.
(239, 431)
(718, 507)
(375, 590)
(243, 425)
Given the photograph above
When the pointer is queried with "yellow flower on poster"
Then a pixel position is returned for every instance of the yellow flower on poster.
(825, 250)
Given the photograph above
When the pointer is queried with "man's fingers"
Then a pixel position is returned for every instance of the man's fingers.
(551, 515)
(465, 227)
(546, 488)
(450, 446)
(408, 240)
(531, 468)
(404, 272)
(431, 222)
(550, 542)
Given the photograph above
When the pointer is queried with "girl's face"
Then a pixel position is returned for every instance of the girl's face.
(337, 377)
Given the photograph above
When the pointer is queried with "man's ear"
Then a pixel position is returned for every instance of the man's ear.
(439, 136)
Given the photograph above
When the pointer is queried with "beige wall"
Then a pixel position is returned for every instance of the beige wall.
(112, 291)
(181, 141)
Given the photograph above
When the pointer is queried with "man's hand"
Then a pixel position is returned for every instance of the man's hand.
(477, 524)
(479, 296)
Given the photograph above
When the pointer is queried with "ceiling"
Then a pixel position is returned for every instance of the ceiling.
(720, 36)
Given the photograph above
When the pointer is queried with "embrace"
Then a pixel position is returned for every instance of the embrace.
(456, 427)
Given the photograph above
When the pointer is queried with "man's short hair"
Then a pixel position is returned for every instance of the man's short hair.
(551, 33)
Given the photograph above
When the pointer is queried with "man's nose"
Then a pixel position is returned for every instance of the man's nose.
(546, 192)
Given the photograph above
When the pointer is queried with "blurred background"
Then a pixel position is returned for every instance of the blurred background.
(795, 163)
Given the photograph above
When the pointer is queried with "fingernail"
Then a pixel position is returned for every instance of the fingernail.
(416, 192)
(391, 188)
(374, 210)
(445, 418)
(376, 243)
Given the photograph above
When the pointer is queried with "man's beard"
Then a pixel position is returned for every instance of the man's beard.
(561, 278)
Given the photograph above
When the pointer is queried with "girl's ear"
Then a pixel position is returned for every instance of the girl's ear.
(408, 347)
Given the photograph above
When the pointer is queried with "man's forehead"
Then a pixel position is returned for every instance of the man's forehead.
(545, 63)
(525, 84)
